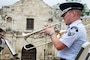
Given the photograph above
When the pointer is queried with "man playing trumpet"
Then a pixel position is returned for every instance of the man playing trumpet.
(71, 41)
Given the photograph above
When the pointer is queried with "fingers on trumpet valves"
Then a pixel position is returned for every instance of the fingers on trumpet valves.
(52, 29)
(48, 30)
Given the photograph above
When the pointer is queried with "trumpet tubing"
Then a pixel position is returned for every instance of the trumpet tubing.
(59, 33)
(62, 31)
(25, 35)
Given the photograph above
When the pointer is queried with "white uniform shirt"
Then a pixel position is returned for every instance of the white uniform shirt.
(73, 38)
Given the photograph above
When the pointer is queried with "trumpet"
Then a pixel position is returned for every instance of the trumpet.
(26, 35)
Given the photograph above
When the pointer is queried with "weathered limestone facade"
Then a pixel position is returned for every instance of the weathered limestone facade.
(86, 21)
(27, 16)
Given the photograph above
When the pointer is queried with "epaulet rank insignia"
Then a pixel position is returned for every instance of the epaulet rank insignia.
(72, 31)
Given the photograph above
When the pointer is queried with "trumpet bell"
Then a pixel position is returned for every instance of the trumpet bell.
(23, 34)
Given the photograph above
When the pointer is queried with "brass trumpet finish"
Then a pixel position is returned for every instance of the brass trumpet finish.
(41, 30)
(59, 33)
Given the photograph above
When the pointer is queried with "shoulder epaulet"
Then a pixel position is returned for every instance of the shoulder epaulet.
(74, 27)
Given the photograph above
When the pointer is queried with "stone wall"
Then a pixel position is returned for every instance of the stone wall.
(86, 21)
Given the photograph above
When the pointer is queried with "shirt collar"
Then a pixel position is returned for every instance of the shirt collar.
(74, 23)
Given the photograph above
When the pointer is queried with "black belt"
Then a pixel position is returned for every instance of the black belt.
(62, 59)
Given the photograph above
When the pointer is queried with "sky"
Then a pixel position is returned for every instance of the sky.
(49, 2)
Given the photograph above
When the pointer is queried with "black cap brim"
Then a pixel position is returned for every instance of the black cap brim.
(71, 5)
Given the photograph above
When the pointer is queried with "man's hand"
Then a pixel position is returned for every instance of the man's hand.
(48, 30)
